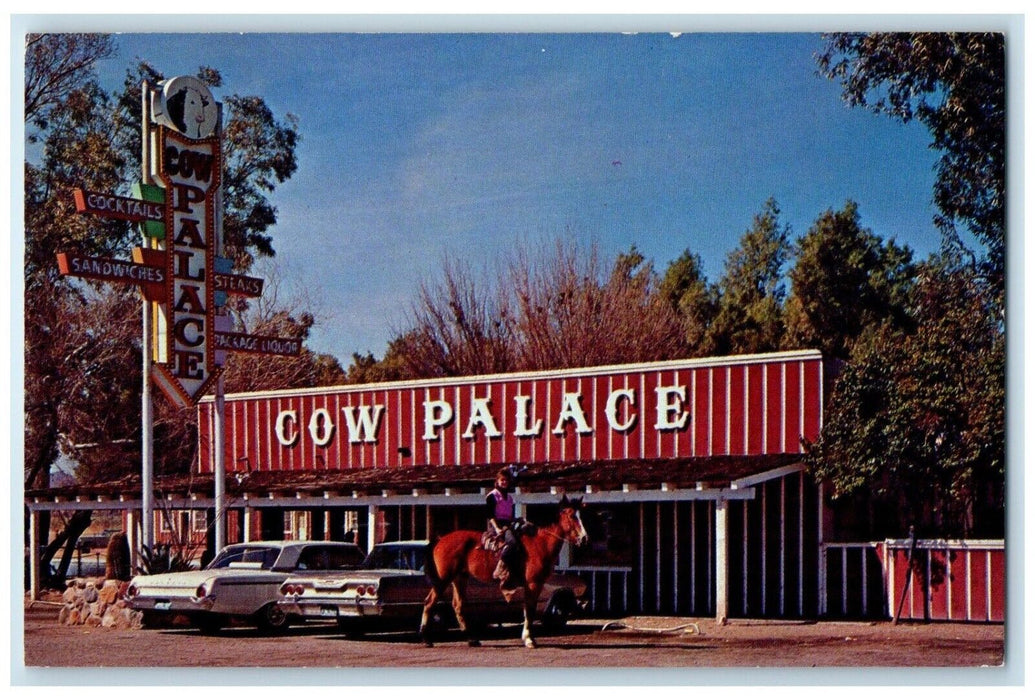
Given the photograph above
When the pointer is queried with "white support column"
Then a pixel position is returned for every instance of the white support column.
(721, 561)
(34, 555)
(373, 513)
(249, 515)
(133, 537)
(327, 526)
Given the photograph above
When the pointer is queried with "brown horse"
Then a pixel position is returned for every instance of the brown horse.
(460, 554)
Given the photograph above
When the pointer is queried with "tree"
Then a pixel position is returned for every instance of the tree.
(457, 327)
(54, 67)
(569, 312)
(367, 369)
(844, 280)
(82, 347)
(749, 316)
(66, 107)
(916, 423)
(687, 291)
(954, 84)
(557, 308)
(270, 316)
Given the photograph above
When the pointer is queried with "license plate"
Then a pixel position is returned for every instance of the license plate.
(328, 611)
(163, 605)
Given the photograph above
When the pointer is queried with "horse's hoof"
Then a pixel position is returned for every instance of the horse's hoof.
(473, 643)
(530, 643)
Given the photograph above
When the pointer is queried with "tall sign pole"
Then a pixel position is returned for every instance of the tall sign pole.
(219, 463)
(147, 496)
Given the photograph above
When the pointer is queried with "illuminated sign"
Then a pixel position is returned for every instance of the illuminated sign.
(189, 170)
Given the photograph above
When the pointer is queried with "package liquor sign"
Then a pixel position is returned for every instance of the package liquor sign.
(188, 168)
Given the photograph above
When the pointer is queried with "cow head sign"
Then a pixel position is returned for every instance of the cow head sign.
(185, 104)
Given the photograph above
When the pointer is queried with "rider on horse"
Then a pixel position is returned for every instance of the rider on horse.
(500, 509)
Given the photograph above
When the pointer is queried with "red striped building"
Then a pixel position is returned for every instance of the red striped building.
(700, 504)
(692, 467)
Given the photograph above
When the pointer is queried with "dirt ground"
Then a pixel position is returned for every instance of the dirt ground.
(629, 643)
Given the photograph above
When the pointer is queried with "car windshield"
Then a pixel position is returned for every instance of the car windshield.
(396, 557)
(264, 557)
(330, 558)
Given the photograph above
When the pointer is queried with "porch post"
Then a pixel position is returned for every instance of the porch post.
(249, 522)
(34, 554)
(373, 513)
(722, 584)
(133, 537)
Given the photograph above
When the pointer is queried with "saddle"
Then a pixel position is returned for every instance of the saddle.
(493, 541)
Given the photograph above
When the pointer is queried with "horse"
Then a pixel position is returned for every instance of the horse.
(456, 557)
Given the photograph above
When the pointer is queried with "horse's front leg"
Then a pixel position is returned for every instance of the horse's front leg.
(531, 598)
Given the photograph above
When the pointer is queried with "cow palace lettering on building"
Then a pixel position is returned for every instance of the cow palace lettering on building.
(752, 405)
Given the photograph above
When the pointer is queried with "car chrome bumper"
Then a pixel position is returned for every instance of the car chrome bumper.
(171, 604)
(336, 608)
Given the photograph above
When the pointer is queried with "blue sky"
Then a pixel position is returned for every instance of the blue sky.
(418, 146)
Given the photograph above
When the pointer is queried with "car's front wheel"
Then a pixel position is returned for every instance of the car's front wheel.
(272, 619)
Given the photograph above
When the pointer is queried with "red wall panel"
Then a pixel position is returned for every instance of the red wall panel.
(745, 405)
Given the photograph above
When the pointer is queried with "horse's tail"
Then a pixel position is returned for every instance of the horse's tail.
(430, 569)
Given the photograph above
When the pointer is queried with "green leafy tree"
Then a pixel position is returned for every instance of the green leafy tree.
(687, 291)
(844, 280)
(751, 292)
(954, 83)
(915, 429)
(367, 369)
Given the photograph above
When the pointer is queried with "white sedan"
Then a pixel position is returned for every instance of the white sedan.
(241, 583)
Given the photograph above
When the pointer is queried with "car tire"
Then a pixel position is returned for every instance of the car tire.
(210, 624)
(153, 620)
(559, 610)
(350, 629)
(272, 619)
